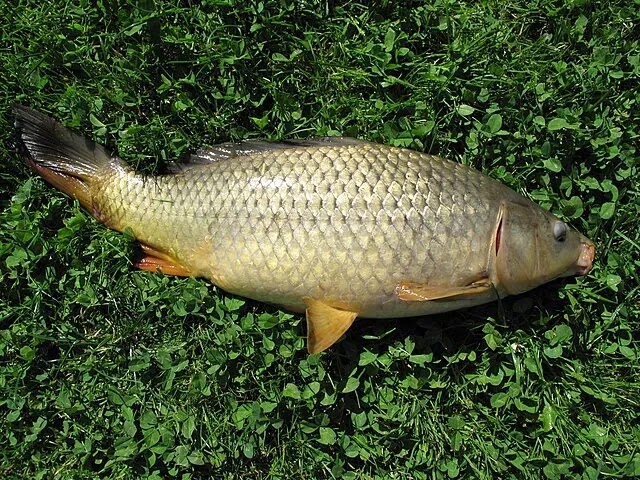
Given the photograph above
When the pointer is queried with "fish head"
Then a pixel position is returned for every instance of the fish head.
(533, 247)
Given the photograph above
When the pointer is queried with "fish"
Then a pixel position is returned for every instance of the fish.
(336, 228)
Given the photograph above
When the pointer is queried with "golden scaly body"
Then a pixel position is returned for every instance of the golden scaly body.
(334, 227)
(344, 224)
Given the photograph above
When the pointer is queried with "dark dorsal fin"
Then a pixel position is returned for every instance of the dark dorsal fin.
(227, 151)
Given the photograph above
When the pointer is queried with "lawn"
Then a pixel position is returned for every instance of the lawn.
(109, 372)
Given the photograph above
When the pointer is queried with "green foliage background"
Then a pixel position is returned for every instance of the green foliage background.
(114, 373)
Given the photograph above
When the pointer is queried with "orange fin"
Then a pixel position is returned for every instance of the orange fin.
(325, 324)
(72, 186)
(64, 159)
(155, 260)
(420, 292)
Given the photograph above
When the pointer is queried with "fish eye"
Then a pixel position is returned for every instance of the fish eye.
(560, 231)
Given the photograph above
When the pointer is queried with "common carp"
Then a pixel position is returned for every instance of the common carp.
(338, 228)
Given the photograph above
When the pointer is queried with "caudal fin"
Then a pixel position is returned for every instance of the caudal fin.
(66, 160)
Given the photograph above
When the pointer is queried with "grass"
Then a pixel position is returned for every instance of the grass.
(114, 373)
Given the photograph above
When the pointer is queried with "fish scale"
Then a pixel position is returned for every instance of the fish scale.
(338, 228)
(275, 239)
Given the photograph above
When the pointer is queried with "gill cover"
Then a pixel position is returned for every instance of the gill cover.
(533, 247)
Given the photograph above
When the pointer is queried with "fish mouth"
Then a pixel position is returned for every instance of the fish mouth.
(585, 259)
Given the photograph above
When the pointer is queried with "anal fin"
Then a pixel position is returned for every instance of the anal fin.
(325, 324)
(154, 260)
(420, 292)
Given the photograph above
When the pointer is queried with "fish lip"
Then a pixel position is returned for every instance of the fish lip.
(584, 263)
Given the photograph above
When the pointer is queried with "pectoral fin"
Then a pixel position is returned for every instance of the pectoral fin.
(420, 292)
(154, 260)
(325, 324)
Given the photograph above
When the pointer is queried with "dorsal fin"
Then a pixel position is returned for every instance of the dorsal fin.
(229, 150)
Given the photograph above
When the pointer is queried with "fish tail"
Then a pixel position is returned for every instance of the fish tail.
(68, 161)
